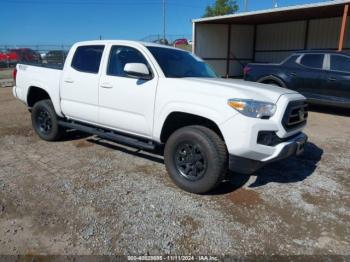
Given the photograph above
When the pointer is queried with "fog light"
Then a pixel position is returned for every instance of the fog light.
(268, 138)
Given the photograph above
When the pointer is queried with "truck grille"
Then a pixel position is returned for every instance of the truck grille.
(296, 115)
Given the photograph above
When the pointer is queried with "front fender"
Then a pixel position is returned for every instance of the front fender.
(217, 115)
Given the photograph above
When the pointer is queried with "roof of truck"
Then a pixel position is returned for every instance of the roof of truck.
(116, 42)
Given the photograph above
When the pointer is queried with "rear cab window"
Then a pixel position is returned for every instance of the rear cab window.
(88, 58)
(312, 60)
(291, 60)
(340, 63)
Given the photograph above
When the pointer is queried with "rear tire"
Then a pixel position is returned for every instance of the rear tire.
(45, 121)
(196, 159)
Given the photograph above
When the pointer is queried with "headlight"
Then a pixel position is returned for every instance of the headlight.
(253, 108)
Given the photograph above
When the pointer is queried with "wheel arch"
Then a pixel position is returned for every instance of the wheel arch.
(178, 119)
(37, 93)
(272, 78)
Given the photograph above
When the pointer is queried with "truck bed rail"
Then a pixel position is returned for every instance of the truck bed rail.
(51, 66)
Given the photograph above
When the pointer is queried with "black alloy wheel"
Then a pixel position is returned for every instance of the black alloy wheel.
(190, 161)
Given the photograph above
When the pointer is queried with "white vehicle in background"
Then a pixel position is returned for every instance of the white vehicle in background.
(43, 55)
(148, 95)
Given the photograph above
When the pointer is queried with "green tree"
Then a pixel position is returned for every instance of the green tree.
(221, 7)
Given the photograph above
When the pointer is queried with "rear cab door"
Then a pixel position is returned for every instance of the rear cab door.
(288, 72)
(338, 78)
(80, 82)
(310, 74)
(126, 104)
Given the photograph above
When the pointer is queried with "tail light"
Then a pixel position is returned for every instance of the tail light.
(14, 75)
(246, 70)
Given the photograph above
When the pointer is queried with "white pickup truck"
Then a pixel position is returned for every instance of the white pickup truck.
(147, 96)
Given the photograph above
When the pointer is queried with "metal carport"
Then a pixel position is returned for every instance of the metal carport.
(228, 42)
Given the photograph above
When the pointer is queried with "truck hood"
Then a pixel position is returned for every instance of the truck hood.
(235, 88)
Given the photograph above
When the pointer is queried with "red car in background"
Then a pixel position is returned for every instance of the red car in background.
(23, 55)
(181, 41)
(3, 59)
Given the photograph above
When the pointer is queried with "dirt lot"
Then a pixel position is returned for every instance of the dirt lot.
(6, 73)
(88, 196)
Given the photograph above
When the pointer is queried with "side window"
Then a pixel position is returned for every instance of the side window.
(340, 63)
(120, 56)
(88, 58)
(312, 60)
(291, 60)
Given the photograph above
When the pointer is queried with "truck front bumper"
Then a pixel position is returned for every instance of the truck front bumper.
(294, 146)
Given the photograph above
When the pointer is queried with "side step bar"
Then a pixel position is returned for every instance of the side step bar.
(110, 135)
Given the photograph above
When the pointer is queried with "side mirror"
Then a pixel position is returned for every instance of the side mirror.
(137, 70)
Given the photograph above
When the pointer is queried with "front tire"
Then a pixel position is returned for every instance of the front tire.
(196, 159)
(45, 121)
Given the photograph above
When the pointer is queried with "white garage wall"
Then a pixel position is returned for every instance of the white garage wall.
(242, 38)
(324, 33)
(219, 66)
(242, 41)
(236, 68)
(280, 36)
(271, 57)
(274, 42)
(211, 40)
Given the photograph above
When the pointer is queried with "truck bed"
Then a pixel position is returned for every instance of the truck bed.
(38, 75)
(51, 66)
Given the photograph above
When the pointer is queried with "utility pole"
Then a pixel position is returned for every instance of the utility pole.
(164, 21)
(274, 3)
(245, 5)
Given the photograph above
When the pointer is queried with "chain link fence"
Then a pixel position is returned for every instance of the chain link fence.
(179, 41)
(169, 39)
(10, 55)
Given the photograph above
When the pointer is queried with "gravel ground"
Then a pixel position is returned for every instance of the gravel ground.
(6, 73)
(84, 195)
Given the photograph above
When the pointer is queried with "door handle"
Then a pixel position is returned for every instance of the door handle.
(293, 74)
(332, 79)
(106, 85)
(69, 80)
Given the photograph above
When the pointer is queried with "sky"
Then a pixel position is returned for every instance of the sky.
(34, 22)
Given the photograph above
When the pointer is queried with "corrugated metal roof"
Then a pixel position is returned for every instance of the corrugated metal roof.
(316, 10)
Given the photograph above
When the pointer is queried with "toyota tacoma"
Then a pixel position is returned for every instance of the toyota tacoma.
(152, 96)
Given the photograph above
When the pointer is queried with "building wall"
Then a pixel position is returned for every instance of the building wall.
(211, 43)
(272, 39)
(324, 33)
(274, 42)
(241, 47)
(280, 36)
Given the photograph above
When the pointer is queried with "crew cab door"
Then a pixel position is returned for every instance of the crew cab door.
(310, 75)
(79, 84)
(126, 103)
(338, 78)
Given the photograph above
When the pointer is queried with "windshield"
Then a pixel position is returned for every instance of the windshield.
(178, 63)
